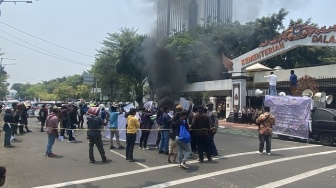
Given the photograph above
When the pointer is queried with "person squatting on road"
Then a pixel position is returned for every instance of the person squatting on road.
(95, 125)
(113, 125)
(132, 125)
(145, 125)
(265, 122)
(52, 125)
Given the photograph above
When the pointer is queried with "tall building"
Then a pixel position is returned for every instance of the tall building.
(177, 15)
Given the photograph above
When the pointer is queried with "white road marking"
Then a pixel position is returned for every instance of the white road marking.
(76, 182)
(236, 169)
(123, 156)
(298, 177)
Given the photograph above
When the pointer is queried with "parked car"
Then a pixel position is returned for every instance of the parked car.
(324, 125)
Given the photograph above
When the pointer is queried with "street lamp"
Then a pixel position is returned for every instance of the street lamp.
(3, 1)
(5, 64)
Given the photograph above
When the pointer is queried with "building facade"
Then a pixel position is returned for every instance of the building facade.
(178, 15)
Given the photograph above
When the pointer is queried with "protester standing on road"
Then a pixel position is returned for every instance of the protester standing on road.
(24, 117)
(72, 121)
(182, 145)
(95, 125)
(145, 125)
(132, 125)
(52, 125)
(265, 123)
(113, 118)
(81, 113)
(165, 120)
(43, 116)
(7, 128)
(64, 119)
(201, 127)
(213, 117)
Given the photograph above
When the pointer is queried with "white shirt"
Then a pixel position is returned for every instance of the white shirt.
(272, 79)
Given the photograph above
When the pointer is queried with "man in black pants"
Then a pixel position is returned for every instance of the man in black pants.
(43, 116)
(132, 125)
(95, 125)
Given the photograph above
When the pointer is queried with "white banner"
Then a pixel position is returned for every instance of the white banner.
(128, 107)
(185, 103)
(122, 131)
(148, 104)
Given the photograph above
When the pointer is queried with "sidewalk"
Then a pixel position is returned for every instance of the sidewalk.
(230, 125)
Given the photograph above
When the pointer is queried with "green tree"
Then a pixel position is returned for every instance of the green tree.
(82, 91)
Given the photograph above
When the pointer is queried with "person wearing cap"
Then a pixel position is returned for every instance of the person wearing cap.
(132, 125)
(2, 175)
(95, 125)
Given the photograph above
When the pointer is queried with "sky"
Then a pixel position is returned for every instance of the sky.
(81, 26)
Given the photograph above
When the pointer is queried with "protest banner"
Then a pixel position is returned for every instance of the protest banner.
(291, 114)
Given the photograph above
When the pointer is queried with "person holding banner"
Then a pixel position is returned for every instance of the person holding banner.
(265, 123)
(132, 125)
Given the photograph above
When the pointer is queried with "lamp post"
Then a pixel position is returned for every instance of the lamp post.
(5, 64)
(3, 1)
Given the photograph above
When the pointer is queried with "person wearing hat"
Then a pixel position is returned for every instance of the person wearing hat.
(2, 175)
(95, 125)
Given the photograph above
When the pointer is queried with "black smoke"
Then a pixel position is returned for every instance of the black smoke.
(166, 77)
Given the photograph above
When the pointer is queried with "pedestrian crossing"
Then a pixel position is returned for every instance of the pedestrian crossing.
(222, 167)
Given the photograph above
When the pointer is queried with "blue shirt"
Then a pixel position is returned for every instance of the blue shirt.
(114, 120)
(293, 80)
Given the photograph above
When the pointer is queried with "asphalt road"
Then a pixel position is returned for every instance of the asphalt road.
(290, 165)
